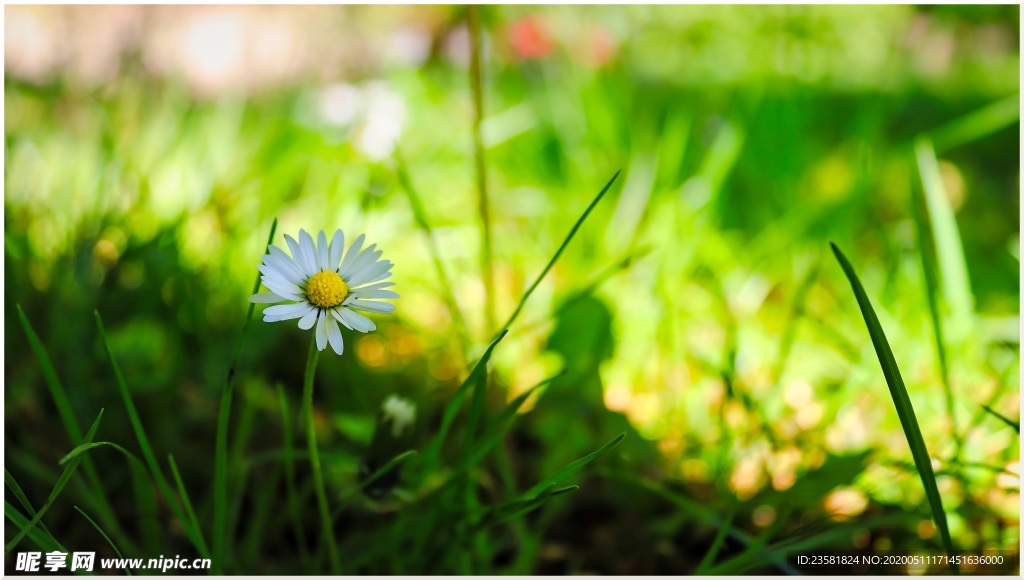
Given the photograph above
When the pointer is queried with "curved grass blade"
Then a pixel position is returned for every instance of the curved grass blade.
(1014, 424)
(220, 453)
(384, 470)
(516, 509)
(44, 541)
(23, 500)
(144, 445)
(59, 487)
(434, 449)
(105, 537)
(71, 425)
(289, 467)
(187, 503)
(326, 523)
(977, 124)
(716, 544)
(572, 233)
(574, 467)
(949, 249)
(901, 399)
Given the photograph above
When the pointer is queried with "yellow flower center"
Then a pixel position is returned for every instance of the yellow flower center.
(326, 289)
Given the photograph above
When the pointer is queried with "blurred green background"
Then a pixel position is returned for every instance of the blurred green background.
(148, 149)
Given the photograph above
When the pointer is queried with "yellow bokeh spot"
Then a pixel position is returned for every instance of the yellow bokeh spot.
(326, 289)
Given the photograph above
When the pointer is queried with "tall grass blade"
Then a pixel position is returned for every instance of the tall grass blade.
(932, 294)
(977, 124)
(716, 544)
(187, 503)
(143, 439)
(901, 399)
(19, 494)
(480, 161)
(36, 535)
(420, 216)
(105, 537)
(558, 253)
(62, 481)
(949, 249)
(575, 467)
(1014, 424)
(71, 425)
(289, 467)
(220, 453)
(433, 452)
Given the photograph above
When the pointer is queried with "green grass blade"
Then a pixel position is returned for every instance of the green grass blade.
(1014, 424)
(71, 425)
(716, 544)
(434, 448)
(187, 503)
(289, 466)
(949, 249)
(574, 467)
(105, 537)
(420, 217)
(62, 481)
(977, 124)
(572, 233)
(220, 453)
(516, 509)
(19, 494)
(901, 399)
(326, 522)
(480, 161)
(144, 444)
(932, 295)
(384, 470)
(36, 535)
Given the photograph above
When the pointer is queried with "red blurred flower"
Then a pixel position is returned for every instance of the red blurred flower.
(530, 38)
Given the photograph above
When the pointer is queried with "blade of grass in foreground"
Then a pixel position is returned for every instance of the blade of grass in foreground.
(71, 425)
(62, 481)
(572, 233)
(220, 453)
(145, 446)
(36, 535)
(105, 537)
(23, 500)
(932, 294)
(289, 467)
(977, 124)
(949, 249)
(187, 503)
(901, 399)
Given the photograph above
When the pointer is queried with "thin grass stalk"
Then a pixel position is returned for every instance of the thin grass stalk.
(220, 460)
(483, 201)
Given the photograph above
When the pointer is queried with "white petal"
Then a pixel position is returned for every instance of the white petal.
(266, 298)
(308, 250)
(367, 257)
(306, 322)
(337, 315)
(376, 286)
(297, 255)
(271, 273)
(282, 258)
(336, 250)
(286, 289)
(350, 256)
(334, 336)
(321, 331)
(381, 277)
(288, 311)
(286, 268)
(357, 321)
(321, 251)
(366, 305)
(367, 294)
(369, 273)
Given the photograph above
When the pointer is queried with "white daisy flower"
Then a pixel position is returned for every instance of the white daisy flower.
(319, 286)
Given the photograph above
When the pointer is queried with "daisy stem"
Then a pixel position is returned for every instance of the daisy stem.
(476, 80)
(314, 458)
